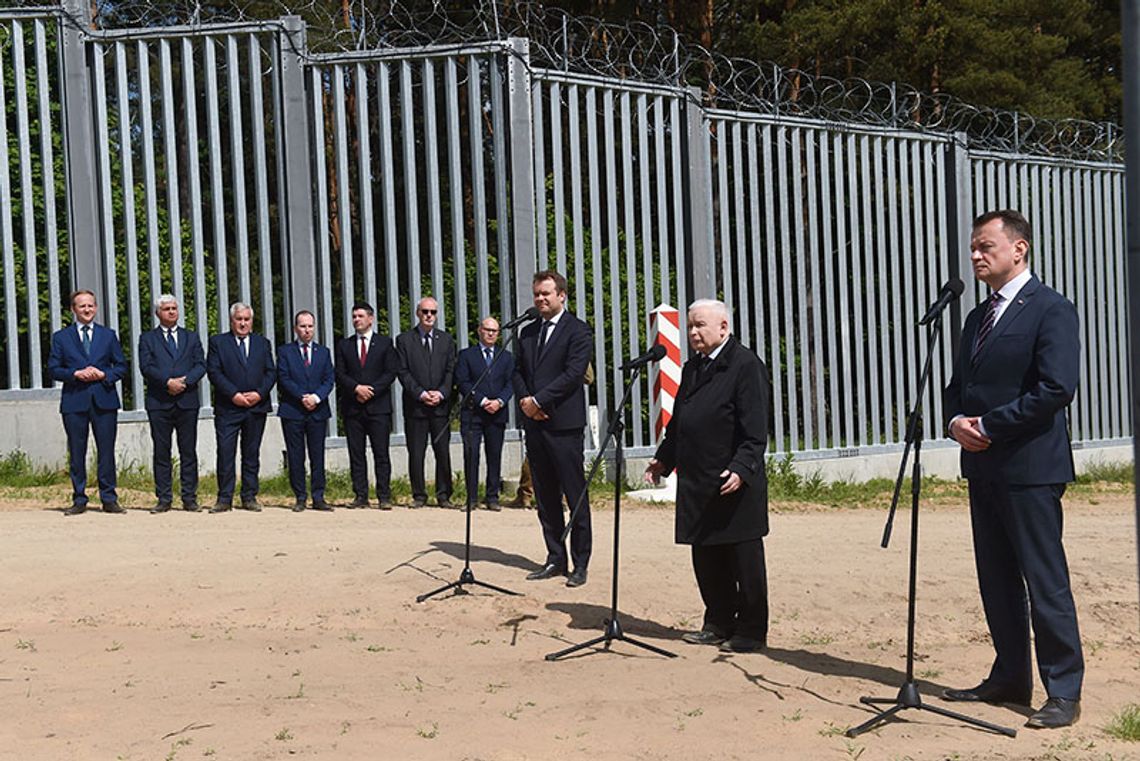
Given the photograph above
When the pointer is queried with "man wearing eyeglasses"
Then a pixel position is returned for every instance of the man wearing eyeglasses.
(427, 367)
(483, 375)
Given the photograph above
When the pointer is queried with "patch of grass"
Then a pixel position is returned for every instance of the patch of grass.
(284, 735)
(817, 638)
(378, 649)
(930, 673)
(787, 484)
(1106, 473)
(1125, 723)
(26, 644)
(794, 715)
(115, 647)
(17, 470)
(428, 734)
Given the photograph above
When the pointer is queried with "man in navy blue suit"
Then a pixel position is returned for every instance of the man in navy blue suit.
(172, 363)
(304, 381)
(484, 414)
(365, 369)
(241, 368)
(1015, 375)
(549, 372)
(88, 360)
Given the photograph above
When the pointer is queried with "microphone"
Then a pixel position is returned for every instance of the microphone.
(951, 291)
(527, 316)
(656, 354)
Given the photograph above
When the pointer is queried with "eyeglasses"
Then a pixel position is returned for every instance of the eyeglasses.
(429, 311)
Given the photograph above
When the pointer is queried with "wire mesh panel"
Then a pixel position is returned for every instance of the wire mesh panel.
(186, 145)
(1076, 210)
(33, 217)
(829, 245)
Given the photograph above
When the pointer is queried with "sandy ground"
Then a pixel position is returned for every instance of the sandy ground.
(275, 635)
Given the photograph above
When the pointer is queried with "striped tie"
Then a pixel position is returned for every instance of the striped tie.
(987, 324)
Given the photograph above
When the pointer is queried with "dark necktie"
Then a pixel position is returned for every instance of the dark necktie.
(305, 353)
(242, 350)
(363, 350)
(488, 356)
(427, 342)
(87, 340)
(543, 335)
(171, 343)
(988, 320)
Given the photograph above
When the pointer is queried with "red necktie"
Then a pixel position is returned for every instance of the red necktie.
(363, 350)
(305, 353)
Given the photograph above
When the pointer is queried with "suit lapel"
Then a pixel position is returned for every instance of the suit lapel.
(555, 332)
(1018, 305)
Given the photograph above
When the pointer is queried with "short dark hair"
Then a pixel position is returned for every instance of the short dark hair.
(559, 280)
(363, 305)
(301, 312)
(1013, 223)
(80, 292)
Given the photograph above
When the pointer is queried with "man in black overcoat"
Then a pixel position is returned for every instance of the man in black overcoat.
(716, 441)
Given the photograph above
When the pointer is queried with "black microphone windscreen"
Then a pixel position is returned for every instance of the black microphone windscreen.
(956, 286)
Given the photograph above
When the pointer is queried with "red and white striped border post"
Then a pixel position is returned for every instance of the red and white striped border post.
(665, 329)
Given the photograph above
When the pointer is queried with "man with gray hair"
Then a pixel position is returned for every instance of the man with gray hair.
(716, 441)
(241, 368)
(172, 363)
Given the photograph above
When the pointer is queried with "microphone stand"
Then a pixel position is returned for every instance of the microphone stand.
(467, 576)
(611, 626)
(909, 696)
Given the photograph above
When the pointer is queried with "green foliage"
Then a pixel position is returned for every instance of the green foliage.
(1125, 724)
(1106, 472)
(17, 470)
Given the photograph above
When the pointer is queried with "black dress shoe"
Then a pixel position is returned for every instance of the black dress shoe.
(161, 507)
(251, 504)
(494, 507)
(221, 507)
(703, 637)
(385, 504)
(989, 693)
(417, 504)
(191, 505)
(740, 644)
(113, 507)
(299, 506)
(75, 509)
(323, 506)
(548, 571)
(577, 578)
(1057, 712)
(359, 503)
(447, 504)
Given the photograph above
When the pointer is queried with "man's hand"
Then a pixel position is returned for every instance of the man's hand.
(654, 471)
(967, 431)
(310, 402)
(90, 374)
(531, 409)
(252, 397)
(239, 399)
(175, 386)
(432, 398)
(363, 393)
(492, 406)
(732, 482)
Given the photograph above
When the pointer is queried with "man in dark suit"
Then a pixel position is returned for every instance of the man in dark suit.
(1015, 375)
(427, 367)
(88, 360)
(549, 371)
(484, 415)
(241, 368)
(304, 382)
(172, 363)
(716, 441)
(365, 368)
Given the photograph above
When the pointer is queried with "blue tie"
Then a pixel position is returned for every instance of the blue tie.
(488, 355)
(87, 340)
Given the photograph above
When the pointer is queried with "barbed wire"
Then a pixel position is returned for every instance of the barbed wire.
(636, 50)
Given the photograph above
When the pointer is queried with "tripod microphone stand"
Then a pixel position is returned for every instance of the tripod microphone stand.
(909, 696)
(612, 625)
(467, 576)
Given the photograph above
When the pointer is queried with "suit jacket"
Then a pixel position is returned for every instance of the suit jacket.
(1020, 384)
(67, 356)
(159, 364)
(378, 372)
(720, 420)
(419, 372)
(497, 385)
(555, 379)
(229, 374)
(294, 380)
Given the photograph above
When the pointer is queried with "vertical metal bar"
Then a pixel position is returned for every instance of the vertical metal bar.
(698, 223)
(388, 201)
(771, 210)
(660, 125)
(596, 243)
(817, 299)
(785, 356)
(905, 346)
(7, 244)
(324, 306)
(1092, 305)
(217, 196)
(261, 189)
(885, 367)
(343, 191)
(858, 298)
(522, 165)
(613, 244)
(478, 188)
(959, 216)
(150, 182)
(501, 157)
(103, 138)
(47, 162)
(79, 145)
(755, 248)
(832, 287)
(126, 161)
(946, 257)
(633, 318)
(325, 331)
(722, 253)
(574, 120)
(646, 201)
(557, 177)
(927, 289)
(411, 195)
(1121, 302)
(744, 300)
(1105, 294)
(31, 270)
(1130, 34)
(868, 256)
(170, 151)
(798, 296)
(294, 152)
(237, 173)
(455, 185)
(542, 249)
(681, 239)
(435, 220)
(197, 245)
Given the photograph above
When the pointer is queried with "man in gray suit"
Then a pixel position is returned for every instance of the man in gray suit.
(426, 367)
